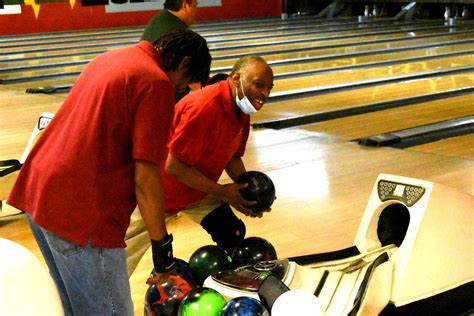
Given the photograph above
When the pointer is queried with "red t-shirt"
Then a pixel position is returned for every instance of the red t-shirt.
(206, 134)
(78, 180)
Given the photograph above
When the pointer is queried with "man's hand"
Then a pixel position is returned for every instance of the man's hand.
(230, 193)
(251, 213)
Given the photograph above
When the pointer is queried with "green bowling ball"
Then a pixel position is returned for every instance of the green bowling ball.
(208, 259)
(202, 301)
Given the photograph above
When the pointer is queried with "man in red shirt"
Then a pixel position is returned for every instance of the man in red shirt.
(101, 155)
(209, 135)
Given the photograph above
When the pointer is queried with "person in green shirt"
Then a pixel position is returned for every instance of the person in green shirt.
(178, 14)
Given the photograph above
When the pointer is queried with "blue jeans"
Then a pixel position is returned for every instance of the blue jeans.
(91, 281)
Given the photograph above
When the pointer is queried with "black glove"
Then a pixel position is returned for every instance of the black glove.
(162, 252)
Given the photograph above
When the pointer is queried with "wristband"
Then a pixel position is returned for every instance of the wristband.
(162, 253)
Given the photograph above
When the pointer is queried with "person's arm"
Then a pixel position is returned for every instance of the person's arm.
(150, 198)
(195, 179)
(235, 168)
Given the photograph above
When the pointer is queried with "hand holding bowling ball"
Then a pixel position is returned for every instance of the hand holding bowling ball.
(260, 188)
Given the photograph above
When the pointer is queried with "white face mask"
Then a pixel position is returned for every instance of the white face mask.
(244, 104)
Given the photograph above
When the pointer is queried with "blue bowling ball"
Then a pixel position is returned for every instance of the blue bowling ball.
(244, 306)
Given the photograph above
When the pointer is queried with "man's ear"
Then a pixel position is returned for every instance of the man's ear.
(235, 77)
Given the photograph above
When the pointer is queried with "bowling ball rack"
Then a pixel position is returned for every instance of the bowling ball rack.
(340, 284)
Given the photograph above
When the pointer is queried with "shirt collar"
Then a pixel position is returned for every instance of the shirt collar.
(226, 95)
(150, 50)
(227, 101)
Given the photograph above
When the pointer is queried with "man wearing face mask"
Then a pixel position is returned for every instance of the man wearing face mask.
(209, 135)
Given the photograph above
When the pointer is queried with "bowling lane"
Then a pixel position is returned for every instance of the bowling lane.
(364, 49)
(333, 64)
(333, 26)
(74, 51)
(328, 38)
(227, 51)
(109, 42)
(367, 74)
(385, 42)
(297, 82)
(386, 121)
(228, 62)
(126, 39)
(34, 37)
(362, 96)
(301, 65)
(459, 147)
(222, 28)
(321, 28)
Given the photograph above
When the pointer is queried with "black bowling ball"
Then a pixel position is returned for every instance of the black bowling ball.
(260, 188)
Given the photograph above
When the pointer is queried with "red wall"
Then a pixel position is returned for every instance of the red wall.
(61, 17)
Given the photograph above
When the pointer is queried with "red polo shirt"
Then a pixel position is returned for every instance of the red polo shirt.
(78, 181)
(206, 134)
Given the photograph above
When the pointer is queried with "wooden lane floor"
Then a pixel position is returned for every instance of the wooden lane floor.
(362, 97)
(378, 41)
(125, 39)
(323, 186)
(19, 114)
(341, 37)
(28, 107)
(363, 49)
(59, 50)
(336, 63)
(331, 76)
(74, 59)
(370, 73)
(391, 120)
(87, 55)
(329, 59)
(220, 32)
(78, 53)
(285, 63)
(51, 74)
(206, 27)
(459, 146)
(297, 67)
(216, 31)
(232, 37)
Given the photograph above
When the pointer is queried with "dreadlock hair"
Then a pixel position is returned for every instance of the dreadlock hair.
(243, 62)
(176, 45)
(174, 5)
